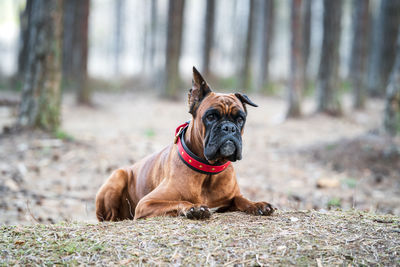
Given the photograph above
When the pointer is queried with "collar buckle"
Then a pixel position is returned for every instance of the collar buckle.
(178, 134)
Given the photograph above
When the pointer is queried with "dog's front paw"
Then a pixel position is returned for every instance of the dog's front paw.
(260, 208)
(198, 213)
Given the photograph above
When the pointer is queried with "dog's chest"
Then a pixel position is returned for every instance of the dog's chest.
(215, 191)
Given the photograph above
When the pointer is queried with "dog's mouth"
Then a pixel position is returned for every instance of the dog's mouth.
(228, 150)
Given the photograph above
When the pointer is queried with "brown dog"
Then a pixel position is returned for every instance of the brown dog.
(191, 175)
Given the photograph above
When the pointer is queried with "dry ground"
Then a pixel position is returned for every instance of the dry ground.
(285, 239)
(316, 162)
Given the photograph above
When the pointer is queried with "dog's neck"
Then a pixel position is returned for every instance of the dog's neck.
(193, 141)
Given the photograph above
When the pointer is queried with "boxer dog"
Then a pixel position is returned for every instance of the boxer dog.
(191, 175)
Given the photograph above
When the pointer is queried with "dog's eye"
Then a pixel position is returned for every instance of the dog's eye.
(240, 121)
(211, 117)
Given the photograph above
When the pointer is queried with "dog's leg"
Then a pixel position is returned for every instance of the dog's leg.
(112, 201)
(163, 202)
(239, 203)
(155, 207)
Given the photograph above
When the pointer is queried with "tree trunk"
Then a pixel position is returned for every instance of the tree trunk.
(75, 48)
(392, 106)
(149, 37)
(25, 21)
(359, 51)
(296, 82)
(384, 46)
(153, 42)
(40, 104)
(119, 30)
(266, 11)
(306, 19)
(208, 35)
(174, 43)
(246, 68)
(328, 75)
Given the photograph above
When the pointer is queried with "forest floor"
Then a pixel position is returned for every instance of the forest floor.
(300, 238)
(316, 162)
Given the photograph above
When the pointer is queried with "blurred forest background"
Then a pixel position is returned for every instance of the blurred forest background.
(87, 86)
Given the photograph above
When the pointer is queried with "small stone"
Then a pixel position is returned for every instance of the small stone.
(281, 248)
(328, 183)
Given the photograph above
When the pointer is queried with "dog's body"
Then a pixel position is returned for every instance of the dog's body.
(162, 184)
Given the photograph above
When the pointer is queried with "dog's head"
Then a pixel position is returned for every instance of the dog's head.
(219, 119)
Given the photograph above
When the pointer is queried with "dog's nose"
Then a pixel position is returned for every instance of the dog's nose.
(228, 128)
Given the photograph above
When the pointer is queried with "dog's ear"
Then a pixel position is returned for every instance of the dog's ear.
(198, 92)
(245, 100)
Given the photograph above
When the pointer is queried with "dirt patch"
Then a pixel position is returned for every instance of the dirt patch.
(287, 238)
(371, 155)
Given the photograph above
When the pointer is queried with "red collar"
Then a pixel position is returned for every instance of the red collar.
(190, 159)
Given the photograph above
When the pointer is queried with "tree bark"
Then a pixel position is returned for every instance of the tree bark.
(41, 97)
(384, 46)
(149, 37)
(75, 48)
(246, 68)
(392, 106)
(153, 42)
(267, 25)
(359, 51)
(174, 43)
(296, 82)
(306, 19)
(328, 75)
(208, 35)
(25, 21)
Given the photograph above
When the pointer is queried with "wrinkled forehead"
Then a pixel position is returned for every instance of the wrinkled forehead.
(224, 103)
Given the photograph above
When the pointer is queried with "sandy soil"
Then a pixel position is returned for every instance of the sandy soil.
(317, 162)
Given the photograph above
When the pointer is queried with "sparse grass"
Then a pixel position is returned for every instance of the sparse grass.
(149, 132)
(333, 238)
(334, 203)
(330, 146)
(63, 135)
(350, 182)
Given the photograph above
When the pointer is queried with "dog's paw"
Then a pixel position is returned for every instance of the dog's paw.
(198, 213)
(261, 209)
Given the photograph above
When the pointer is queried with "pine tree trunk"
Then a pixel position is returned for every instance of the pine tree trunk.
(392, 106)
(246, 68)
(153, 40)
(266, 15)
(306, 17)
(68, 40)
(384, 46)
(40, 104)
(84, 92)
(359, 51)
(174, 43)
(296, 83)
(75, 48)
(208, 35)
(25, 21)
(328, 75)
(149, 37)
